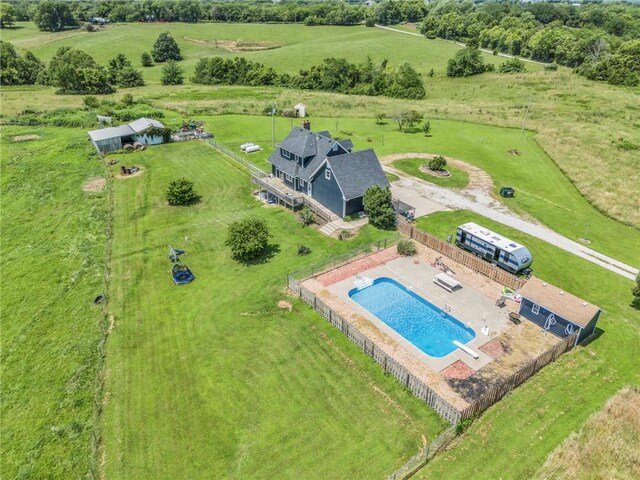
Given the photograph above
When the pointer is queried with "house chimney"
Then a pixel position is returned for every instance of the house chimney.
(306, 125)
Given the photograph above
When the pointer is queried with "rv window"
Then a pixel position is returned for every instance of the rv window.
(535, 309)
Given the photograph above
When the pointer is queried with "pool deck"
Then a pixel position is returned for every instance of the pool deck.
(466, 304)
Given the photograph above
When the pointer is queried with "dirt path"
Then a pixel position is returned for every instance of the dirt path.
(477, 197)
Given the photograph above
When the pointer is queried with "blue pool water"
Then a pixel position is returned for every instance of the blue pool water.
(413, 317)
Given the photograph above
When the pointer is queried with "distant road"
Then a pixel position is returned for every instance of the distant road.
(505, 55)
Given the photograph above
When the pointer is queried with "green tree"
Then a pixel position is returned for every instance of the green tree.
(181, 191)
(17, 70)
(426, 128)
(7, 15)
(146, 59)
(636, 292)
(76, 72)
(407, 83)
(165, 48)
(466, 62)
(379, 207)
(122, 73)
(172, 74)
(53, 16)
(248, 238)
(91, 102)
(513, 65)
(412, 118)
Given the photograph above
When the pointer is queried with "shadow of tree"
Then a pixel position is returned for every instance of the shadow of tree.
(268, 253)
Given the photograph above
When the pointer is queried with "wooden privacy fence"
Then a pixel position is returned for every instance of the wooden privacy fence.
(388, 364)
(496, 393)
(460, 256)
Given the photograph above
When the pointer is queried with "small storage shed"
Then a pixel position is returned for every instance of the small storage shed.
(557, 311)
(301, 110)
(111, 139)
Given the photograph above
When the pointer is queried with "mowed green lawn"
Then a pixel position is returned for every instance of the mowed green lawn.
(211, 379)
(53, 263)
(542, 190)
(298, 46)
(514, 437)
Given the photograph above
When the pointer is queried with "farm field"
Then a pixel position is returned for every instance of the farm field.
(212, 380)
(607, 446)
(53, 261)
(514, 437)
(544, 193)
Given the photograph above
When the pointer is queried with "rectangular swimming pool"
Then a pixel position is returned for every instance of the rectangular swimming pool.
(419, 321)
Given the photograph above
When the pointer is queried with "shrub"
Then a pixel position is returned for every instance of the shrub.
(378, 207)
(345, 235)
(466, 62)
(172, 74)
(247, 238)
(146, 59)
(426, 128)
(636, 293)
(306, 216)
(180, 191)
(438, 163)
(91, 102)
(303, 249)
(551, 67)
(513, 65)
(406, 247)
(127, 99)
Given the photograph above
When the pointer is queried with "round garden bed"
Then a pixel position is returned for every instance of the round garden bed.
(436, 173)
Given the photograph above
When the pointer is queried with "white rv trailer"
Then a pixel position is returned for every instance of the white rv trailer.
(494, 248)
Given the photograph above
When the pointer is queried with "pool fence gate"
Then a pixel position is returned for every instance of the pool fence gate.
(460, 256)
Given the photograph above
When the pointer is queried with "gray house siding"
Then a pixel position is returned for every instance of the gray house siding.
(560, 327)
(355, 205)
(327, 192)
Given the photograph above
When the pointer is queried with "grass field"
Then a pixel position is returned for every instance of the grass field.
(212, 380)
(411, 166)
(590, 129)
(514, 437)
(607, 446)
(544, 193)
(53, 260)
(298, 46)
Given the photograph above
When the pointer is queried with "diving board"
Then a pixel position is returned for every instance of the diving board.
(466, 349)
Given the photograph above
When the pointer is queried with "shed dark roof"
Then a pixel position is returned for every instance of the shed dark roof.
(356, 172)
(559, 302)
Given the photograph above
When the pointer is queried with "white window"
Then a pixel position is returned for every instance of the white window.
(327, 174)
(535, 309)
(285, 154)
(289, 178)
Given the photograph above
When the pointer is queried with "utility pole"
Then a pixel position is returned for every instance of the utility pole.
(273, 125)
(526, 113)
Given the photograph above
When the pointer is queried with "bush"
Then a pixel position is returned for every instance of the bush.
(438, 163)
(513, 65)
(378, 207)
(636, 293)
(551, 67)
(345, 235)
(146, 59)
(406, 247)
(180, 191)
(91, 102)
(466, 62)
(247, 238)
(172, 74)
(306, 216)
(127, 99)
(426, 128)
(303, 249)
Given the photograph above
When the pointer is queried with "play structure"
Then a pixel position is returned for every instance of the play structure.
(179, 272)
(493, 248)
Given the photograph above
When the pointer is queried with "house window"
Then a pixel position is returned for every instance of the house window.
(285, 154)
(289, 178)
(327, 174)
(535, 309)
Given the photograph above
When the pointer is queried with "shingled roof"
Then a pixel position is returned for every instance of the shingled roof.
(356, 172)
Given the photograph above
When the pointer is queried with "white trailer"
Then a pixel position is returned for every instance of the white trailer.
(494, 248)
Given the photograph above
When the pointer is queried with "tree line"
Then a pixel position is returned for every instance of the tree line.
(599, 41)
(331, 75)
